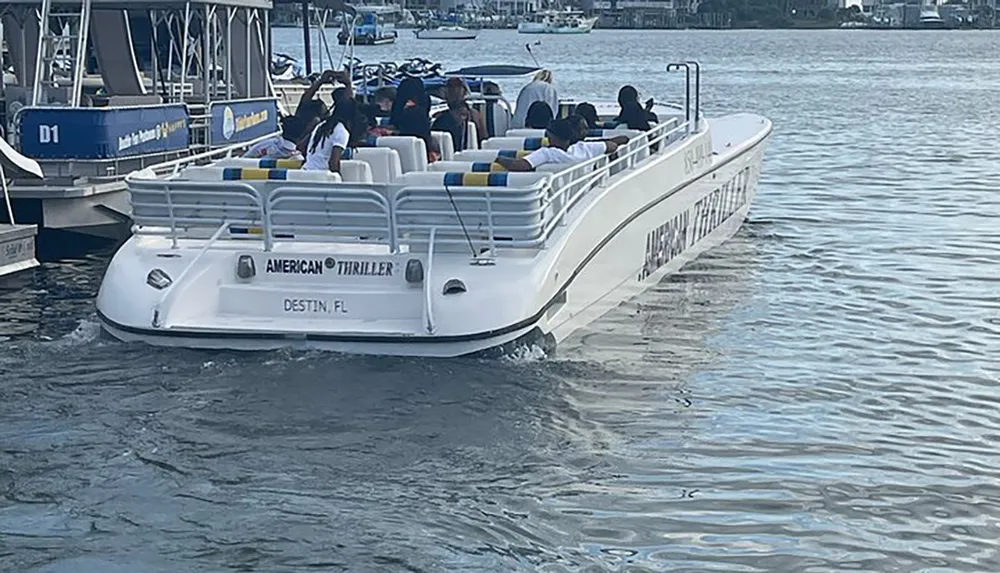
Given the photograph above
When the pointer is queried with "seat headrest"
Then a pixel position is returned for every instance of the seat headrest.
(253, 174)
(465, 179)
(273, 163)
(513, 153)
(533, 143)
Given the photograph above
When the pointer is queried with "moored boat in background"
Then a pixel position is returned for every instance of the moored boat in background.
(446, 33)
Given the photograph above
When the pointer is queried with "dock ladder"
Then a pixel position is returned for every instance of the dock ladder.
(65, 44)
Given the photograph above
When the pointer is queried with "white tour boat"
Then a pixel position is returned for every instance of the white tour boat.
(395, 256)
(446, 33)
(557, 22)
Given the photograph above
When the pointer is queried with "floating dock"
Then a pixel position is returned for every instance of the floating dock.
(17, 248)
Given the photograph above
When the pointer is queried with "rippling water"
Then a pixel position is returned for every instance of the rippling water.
(818, 394)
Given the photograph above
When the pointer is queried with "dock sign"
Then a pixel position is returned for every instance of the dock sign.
(237, 121)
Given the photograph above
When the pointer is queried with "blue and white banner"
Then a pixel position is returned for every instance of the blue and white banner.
(242, 120)
(102, 133)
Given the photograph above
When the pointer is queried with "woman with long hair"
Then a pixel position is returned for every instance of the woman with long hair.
(410, 94)
(331, 139)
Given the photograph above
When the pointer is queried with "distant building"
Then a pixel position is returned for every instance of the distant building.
(644, 13)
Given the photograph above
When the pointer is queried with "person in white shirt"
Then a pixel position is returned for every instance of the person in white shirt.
(565, 146)
(286, 145)
(539, 89)
(331, 139)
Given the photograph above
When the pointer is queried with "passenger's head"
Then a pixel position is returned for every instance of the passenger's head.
(539, 115)
(588, 112)
(543, 76)
(313, 108)
(490, 89)
(628, 95)
(412, 90)
(293, 126)
(581, 126)
(340, 95)
(455, 89)
(349, 113)
(561, 133)
(384, 98)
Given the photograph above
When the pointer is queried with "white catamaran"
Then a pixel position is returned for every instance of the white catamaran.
(395, 256)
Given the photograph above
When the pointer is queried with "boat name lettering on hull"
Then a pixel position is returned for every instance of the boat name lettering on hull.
(330, 265)
(314, 306)
(672, 238)
(364, 268)
(294, 266)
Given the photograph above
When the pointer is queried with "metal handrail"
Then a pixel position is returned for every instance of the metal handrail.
(600, 171)
(428, 294)
(157, 320)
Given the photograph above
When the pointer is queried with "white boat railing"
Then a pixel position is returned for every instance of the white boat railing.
(419, 217)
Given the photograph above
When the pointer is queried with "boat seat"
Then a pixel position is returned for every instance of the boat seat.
(471, 136)
(466, 166)
(262, 163)
(212, 173)
(490, 154)
(384, 161)
(445, 143)
(498, 117)
(489, 167)
(412, 150)
(525, 132)
(356, 171)
(469, 179)
(527, 143)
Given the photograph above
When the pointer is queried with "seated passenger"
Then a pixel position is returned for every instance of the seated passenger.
(588, 112)
(415, 122)
(632, 113)
(284, 146)
(539, 115)
(562, 133)
(331, 139)
(539, 89)
(456, 93)
(384, 97)
(454, 121)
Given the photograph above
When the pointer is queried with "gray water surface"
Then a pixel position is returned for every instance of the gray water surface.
(818, 394)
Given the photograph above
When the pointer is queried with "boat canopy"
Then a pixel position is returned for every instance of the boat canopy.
(494, 71)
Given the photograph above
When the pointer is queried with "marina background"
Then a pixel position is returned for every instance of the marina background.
(683, 14)
(818, 393)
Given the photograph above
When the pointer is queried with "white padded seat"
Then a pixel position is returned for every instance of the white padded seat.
(412, 150)
(384, 162)
(445, 143)
(255, 174)
(525, 132)
(468, 179)
(471, 136)
(356, 171)
(526, 143)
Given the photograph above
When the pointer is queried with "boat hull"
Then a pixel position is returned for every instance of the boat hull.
(368, 40)
(547, 28)
(445, 35)
(647, 225)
